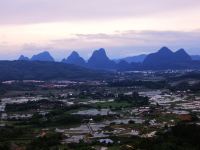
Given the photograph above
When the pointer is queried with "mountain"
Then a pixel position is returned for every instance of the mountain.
(74, 58)
(24, 58)
(165, 58)
(195, 57)
(136, 59)
(44, 56)
(43, 70)
(182, 56)
(160, 60)
(99, 60)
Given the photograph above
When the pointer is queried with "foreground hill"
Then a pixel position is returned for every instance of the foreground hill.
(38, 70)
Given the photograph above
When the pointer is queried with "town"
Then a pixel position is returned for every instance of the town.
(128, 111)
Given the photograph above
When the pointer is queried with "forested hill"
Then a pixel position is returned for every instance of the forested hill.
(37, 70)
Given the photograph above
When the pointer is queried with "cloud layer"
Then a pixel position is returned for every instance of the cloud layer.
(37, 11)
(118, 44)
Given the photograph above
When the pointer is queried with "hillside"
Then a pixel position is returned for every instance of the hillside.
(38, 70)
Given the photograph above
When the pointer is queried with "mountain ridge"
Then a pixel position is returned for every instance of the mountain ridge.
(43, 56)
(23, 58)
(74, 58)
(130, 59)
(165, 56)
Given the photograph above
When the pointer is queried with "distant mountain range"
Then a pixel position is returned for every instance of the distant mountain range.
(165, 58)
(22, 57)
(162, 59)
(43, 56)
(133, 59)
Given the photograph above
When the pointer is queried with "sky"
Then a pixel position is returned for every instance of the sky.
(122, 27)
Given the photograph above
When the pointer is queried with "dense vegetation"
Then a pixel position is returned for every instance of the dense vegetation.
(147, 84)
(183, 136)
(36, 70)
(133, 99)
(184, 86)
(34, 105)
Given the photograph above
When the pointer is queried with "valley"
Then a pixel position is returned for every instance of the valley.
(129, 111)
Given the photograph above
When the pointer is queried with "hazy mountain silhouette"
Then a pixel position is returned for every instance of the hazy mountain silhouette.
(165, 57)
(136, 59)
(24, 58)
(74, 58)
(44, 56)
(182, 56)
(123, 65)
(99, 60)
(195, 57)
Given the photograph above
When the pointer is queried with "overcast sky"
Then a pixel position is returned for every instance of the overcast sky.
(123, 27)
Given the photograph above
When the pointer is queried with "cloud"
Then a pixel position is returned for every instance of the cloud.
(131, 42)
(30, 26)
(38, 11)
(135, 38)
(118, 44)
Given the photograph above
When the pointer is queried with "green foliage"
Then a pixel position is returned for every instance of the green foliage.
(36, 70)
(11, 132)
(33, 105)
(147, 84)
(184, 86)
(181, 137)
(49, 141)
(134, 99)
